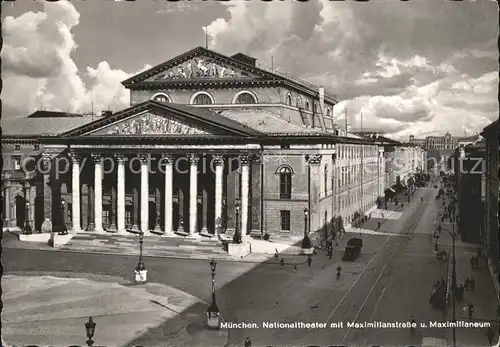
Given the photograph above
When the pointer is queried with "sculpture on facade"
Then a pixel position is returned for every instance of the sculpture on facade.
(152, 124)
(200, 68)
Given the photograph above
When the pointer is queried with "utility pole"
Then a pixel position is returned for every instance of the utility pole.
(206, 37)
(362, 168)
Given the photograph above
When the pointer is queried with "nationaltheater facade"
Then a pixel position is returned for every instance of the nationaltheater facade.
(208, 140)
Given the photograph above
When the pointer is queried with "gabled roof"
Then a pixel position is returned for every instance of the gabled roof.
(492, 127)
(42, 126)
(202, 116)
(262, 75)
(268, 122)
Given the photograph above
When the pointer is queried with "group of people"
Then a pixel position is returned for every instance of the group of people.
(469, 285)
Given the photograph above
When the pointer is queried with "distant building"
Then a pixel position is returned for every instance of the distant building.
(492, 175)
(469, 168)
(446, 141)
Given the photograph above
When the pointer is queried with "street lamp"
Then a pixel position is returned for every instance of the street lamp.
(453, 281)
(306, 242)
(237, 236)
(64, 229)
(90, 329)
(213, 310)
(27, 227)
(140, 272)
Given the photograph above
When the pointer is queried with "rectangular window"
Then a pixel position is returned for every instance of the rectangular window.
(17, 162)
(285, 220)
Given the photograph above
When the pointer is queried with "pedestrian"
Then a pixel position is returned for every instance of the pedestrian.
(470, 309)
(309, 260)
(282, 263)
(338, 271)
(472, 262)
(460, 293)
(489, 335)
(330, 253)
(248, 343)
(294, 266)
(276, 253)
(467, 283)
(472, 284)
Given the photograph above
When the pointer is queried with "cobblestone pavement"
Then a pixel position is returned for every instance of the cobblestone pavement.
(48, 310)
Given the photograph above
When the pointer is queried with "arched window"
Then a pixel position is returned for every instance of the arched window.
(161, 97)
(285, 173)
(245, 98)
(328, 112)
(325, 178)
(289, 100)
(202, 98)
(307, 106)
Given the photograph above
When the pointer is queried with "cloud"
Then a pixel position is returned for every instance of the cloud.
(38, 68)
(408, 68)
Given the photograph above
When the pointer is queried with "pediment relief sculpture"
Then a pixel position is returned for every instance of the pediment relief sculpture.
(153, 124)
(200, 68)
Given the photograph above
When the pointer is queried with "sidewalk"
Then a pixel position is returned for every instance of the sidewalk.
(483, 298)
(49, 310)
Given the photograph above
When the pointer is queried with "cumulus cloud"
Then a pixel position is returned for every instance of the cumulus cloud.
(401, 67)
(38, 68)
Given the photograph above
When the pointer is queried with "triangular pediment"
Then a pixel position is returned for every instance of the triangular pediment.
(149, 123)
(201, 67)
(200, 64)
(152, 118)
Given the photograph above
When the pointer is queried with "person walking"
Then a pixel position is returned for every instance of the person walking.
(490, 335)
(248, 343)
(309, 260)
(282, 263)
(276, 253)
(467, 283)
(472, 284)
(294, 266)
(470, 309)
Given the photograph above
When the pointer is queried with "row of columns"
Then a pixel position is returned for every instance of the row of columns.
(144, 193)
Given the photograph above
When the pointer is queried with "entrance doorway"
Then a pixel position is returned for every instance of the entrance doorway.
(152, 215)
(20, 211)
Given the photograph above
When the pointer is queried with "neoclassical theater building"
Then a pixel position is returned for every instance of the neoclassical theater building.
(208, 141)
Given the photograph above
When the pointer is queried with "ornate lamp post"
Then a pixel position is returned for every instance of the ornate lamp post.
(90, 329)
(306, 217)
(27, 227)
(140, 272)
(237, 236)
(64, 229)
(213, 312)
(306, 242)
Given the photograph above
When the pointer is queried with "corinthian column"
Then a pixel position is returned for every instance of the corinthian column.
(144, 193)
(245, 182)
(75, 192)
(169, 177)
(219, 170)
(193, 194)
(97, 158)
(47, 194)
(120, 199)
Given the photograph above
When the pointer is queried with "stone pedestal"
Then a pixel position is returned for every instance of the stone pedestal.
(141, 276)
(46, 226)
(239, 250)
(213, 320)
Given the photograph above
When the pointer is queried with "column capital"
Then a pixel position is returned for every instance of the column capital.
(143, 157)
(75, 157)
(167, 158)
(96, 157)
(218, 159)
(245, 159)
(314, 159)
(120, 158)
(46, 157)
(194, 159)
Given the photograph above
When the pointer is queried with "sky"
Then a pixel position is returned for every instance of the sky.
(422, 67)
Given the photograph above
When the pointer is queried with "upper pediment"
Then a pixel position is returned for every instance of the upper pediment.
(149, 123)
(201, 64)
(200, 67)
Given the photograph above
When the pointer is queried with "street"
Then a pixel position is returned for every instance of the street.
(390, 282)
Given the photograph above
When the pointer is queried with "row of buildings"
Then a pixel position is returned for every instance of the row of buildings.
(476, 178)
(209, 142)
